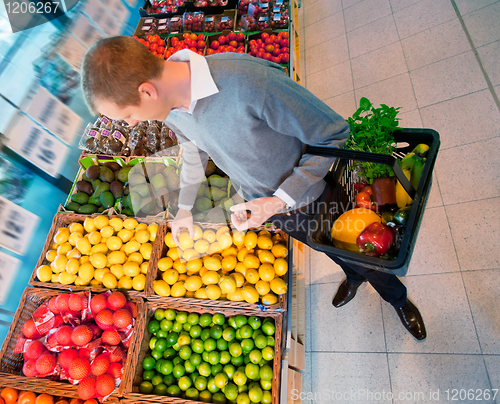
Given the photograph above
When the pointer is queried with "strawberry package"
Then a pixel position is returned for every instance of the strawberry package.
(82, 338)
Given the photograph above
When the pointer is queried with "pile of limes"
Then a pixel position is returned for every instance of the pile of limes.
(224, 264)
(100, 252)
(210, 358)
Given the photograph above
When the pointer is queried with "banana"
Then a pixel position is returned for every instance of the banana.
(416, 173)
(408, 161)
(402, 197)
(421, 149)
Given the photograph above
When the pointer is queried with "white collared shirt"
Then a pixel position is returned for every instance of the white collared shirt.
(202, 83)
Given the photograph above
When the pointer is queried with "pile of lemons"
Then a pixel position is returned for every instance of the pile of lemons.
(224, 265)
(100, 252)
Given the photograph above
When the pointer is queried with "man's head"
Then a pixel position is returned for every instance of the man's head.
(116, 73)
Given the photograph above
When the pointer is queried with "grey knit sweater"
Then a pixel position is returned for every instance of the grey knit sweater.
(255, 129)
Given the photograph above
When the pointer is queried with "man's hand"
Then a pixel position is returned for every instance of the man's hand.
(184, 218)
(260, 210)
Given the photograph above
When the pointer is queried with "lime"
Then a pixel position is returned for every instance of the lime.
(204, 356)
(159, 364)
(268, 328)
(186, 326)
(205, 396)
(176, 360)
(177, 327)
(205, 320)
(238, 335)
(195, 331)
(185, 383)
(268, 353)
(221, 344)
(229, 334)
(219, 398)
(216, 369)
(169, 353)
(178, 371)
(192, 393)
(229, 370)
(214, 358)
(267, 398)
(161, 333)
(190, 368)
(225, 357)
(161, 389)
(260, 341)
(148, 363)
(184, 339)
(146, 387)
(161, 345)
(216, 331)
(193, 318)
(152, 343)
(246, 331)
(173, 391)
(264, 362)
(243, 389)
(159, 314)
(156, 354)
(169, 379)
(256, 333)
(235, 349)
(241, 320)
(231, 391)
(170, 314)
(148, 374)
(209, 345)
(270, 341)
(221, 380)
(195, 359)
(240, 378)
(153, 326)
(219, 319)
(242, 399)
(266, 372)
(172, 338)
(185, 352)
(237, 360)
(181, 317)
(247, 345)
(252, 371)
(197, 346)
(254, 322)
(166, 325)
(232, 321)
(204, 369)
(255, 356)
(266, 384)
(166, 367)
(246, 359)
(157, 379)
(205, 334)
(200, 383)
(255, 394)
(211, 387)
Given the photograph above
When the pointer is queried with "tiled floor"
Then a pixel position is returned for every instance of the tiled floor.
(438, 60)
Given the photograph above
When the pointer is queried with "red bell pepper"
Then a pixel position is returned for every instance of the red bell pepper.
(375, 239)
(364, 199)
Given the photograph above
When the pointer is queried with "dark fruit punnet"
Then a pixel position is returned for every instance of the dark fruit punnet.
(84, 186)
(116, 188)
(106, 175)
(92, 172)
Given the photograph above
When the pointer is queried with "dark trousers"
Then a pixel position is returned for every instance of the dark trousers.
(389, 287)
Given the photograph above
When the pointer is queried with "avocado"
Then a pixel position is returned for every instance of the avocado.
(136, 179)
(167, 169)
(107, 199)
(106, 175)
(84, 177)
(153, 168)
(84, 186)
(126, 190)
(172, 180)
(148, 205)
(135, 201)
(203, 204)
(218, 194)
(217, 215)
(101, 209)
(73, 206)
(94, 201)
(92, 172)
(116, 188)
(88, 209)
(126, 201)
(102, 187)
(127, 212)
(80, 197)
(217, 181)
(123, 174)
(112, 165)
(95, 183)
(201, 190)
(226, 203)
(142, 189)
(162, 202)
(210, 169)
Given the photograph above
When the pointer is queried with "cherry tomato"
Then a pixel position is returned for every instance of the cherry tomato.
(364, 199)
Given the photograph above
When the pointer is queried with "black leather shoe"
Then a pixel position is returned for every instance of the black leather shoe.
(345, 293)
(412, 320)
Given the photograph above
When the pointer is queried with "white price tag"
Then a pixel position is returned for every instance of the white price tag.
(8, 268)
(16, 226)
(52, 114)
(86, 32)
(72, 52)
(36, 145)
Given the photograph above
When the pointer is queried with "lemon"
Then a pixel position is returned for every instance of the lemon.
(251, 261)
(213, 248)
(83, 259)
(141, 226)
(183, 277)
(114, 243)
(252, 275)
(202, 271)
(237, 296)
(213, 292)
(193, 283)
(59, 264)
(73, 266)
(83, 245)
(125, 282)
(210, 278)
(212, 263)
(146, 250)
(81, 282)
(66, 278)
(264, 233)
(132, 246)
(109, 281)
(229, 263)
(73, 237)
(44, 273)
(169, 242)
(98, 260)
(94, 237)
(269, 299)
(107, 231)
(130, 223)
(144, 267)
(64, 249)
(231, 250)
(99, 248)
(280, 266)
(190, 254)
(89, 225)
(178, 289)
(221, 230)
(101, 221)
(142, 236)
(131, 269)
(153, 230)
(239, 238)
(61, 236)
(95, 283)
(161, 288)
(185, 241)
(262, 287)
(116, 223)
(279, 250)
(116, 270)
(250, 294)
(227, 284)
(136, 257)
(242, 254)
(139, 282)
(76, 227)
(51, 255)
(125, 235)
(170, 276)
(266, 256)
(74, 253)
(201, 294)
(180, 266)
(209, 235)
(240, 268)
(225, 241)
(173, 253)
(194, 265)
(264, 242)
(54, 246)
(55, 278)
(99, 273)
(116, 257)
(165, 263)
(266, 272)
(250, 240)
(86, 272)
(278, 286)
(239, 279)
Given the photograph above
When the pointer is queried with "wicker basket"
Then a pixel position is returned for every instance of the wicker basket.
(162, 251)
(64, 220)
(132, 378)
(11, 363)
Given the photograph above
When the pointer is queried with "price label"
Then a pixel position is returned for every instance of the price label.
(51, 113)
(36, 145)
(16, 226)
(86, 32)
(8, 268)
(72, 52)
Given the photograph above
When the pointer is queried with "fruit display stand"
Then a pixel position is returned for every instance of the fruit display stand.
(11, 363)
(65, 220)
(133, 377)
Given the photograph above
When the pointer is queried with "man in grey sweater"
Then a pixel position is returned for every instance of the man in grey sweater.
(253, 121)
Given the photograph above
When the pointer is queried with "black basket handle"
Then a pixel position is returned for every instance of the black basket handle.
(368, 157)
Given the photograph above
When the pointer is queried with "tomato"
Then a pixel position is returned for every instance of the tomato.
(215, 45)
(168, 54)
(264, 36)
(161, 49)
(233, 43)
(285, 58)
(260, 54)
(275, 59)
(240, 36)
(284, 43)
(252, 42)
(186, 35)
(153, 47)
(201, 44)
(364, 199)
(194, 37)
(267, 56)
(201, 37)
(222, 39)
(174, 41)
(269, 48)
(210, 51)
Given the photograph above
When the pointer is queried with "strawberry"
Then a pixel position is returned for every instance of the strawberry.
(105, 385)
(29, 368)
(52, 305)
(66, 357)
(62, 302)
(116, 301)
(46, 363)
(63, 335)
(82, 335)
(116, 370)
(98, 303)
(86, 388)
(75, 302)
(34, 350)
(111, 337)
(100, 365)
(104, 319)
(79, 369)
(122, 318)
(30, 331)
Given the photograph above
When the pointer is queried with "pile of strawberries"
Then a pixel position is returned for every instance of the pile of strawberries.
(81, 338)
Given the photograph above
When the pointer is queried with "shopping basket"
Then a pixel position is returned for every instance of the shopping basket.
(340, 193)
